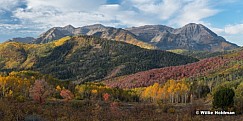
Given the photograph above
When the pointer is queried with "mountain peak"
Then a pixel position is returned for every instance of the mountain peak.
(69, 27)
(192, 24)
(195, 29)
(195, 25)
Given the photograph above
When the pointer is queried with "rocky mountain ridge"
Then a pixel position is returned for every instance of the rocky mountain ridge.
(190, 37)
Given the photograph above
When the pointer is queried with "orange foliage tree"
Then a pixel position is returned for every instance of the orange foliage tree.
(67, 94)
(106, 96)
(39, 91)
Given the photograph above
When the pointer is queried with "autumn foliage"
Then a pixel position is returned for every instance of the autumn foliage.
(171, 92)
(39, 91)
(106, 97)
(202, 68)
(67, 94)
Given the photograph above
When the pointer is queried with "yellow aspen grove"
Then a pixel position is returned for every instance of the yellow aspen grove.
(160, 94)
(184, 90)
(154, 91)
(165, 92)
(171, 90)
(146, 93)
(151, 92)
(177, 91)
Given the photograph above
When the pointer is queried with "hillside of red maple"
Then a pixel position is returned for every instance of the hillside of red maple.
(201, 68)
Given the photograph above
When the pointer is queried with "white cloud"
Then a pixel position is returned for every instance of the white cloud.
(77, 5)
(128, 13)
(118, 15)
(232, 33)
(194, 12)
(164, 9)
(9, 28)
(57, 18)
(18, 28)
(49, 13)
(8, 4)
(234, 29)
(175, 13)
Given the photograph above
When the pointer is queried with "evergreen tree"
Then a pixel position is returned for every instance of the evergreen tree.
(223, 98)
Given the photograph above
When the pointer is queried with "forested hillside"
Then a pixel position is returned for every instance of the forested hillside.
(85, 58)
(214, 70)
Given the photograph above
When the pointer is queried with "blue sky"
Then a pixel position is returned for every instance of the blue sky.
(21, 18)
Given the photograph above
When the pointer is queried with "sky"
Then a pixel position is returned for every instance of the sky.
(22, 18)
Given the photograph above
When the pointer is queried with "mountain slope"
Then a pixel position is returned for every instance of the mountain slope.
(93, 30)
(226, 67)
(190, 37)
(85, 58)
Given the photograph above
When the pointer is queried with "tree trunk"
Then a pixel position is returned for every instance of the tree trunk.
(185, 97)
